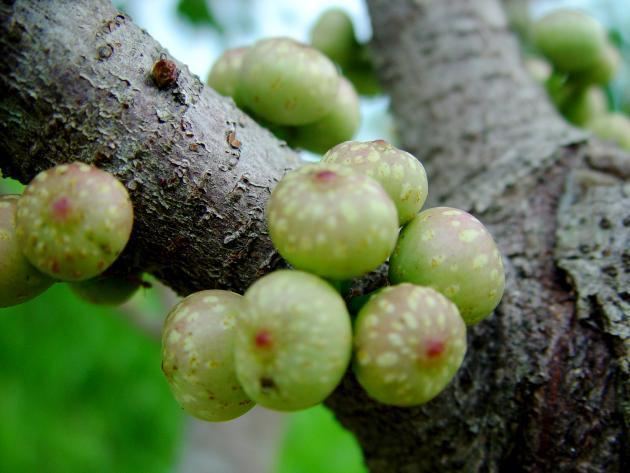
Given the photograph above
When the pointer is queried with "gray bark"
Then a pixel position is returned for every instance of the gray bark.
(76, 85)
(544, 386)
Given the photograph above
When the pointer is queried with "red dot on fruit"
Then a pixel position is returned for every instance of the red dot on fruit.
(263, 339)
(434, 348)
(325, 176)
(61, 208)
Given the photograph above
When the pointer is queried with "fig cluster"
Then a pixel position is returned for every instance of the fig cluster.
(288, 341)
(70, 224)
(576, 62)
(297, 90)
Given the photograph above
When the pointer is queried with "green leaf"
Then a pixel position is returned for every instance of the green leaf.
(198, 13)
(315, 442)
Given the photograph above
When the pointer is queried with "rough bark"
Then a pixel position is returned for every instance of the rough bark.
(545, 383)
(544, 386)
(76, 85)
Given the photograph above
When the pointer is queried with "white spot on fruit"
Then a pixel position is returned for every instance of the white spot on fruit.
(468, 235)
(387, 359)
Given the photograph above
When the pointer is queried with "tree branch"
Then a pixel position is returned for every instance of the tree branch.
(545, 381)
(76, 85)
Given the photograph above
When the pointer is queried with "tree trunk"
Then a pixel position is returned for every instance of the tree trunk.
(544, 386)
(76, 85)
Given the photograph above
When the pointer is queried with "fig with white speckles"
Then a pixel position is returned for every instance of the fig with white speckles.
(451, 251)
(338, 125)
(409, 343)
(107, 290)
(331, 221)
(402, 176)
(19, 280)
(198, 355)
(73, 221)
(287, 82)
(225, 72)
(294, 341)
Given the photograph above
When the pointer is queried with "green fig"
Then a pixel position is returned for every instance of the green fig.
(402, 175)
(293, 342)
(287, 82)
(19, 280)
(198, 355)
(451, 251)
(332, 221)
(73, 221)
(339, 124)
(225, 73)
(409, 343)
(570, 39)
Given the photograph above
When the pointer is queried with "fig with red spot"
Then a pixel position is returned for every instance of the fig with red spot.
(409, 343)
(401, 174)
(19, 280)
(332, 221)
(197, 355)
(293, 341)
(73, 221)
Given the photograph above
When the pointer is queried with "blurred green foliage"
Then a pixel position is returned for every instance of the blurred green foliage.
(314, 442)
(198, 13)
(81, 391)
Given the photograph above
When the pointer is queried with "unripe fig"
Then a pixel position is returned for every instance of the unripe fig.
(225, 72)
(451, 251)
(604, 69)
(339, 124)
(585, 106)
(333, 35)
(329, 220)
(19, 280)
(287, 82)
(198, 355)
(364, 81)
(614, 127)
(73, 221)
(293, 342)
(402, 176)
(409, 343)
(571, 40)
(360, 71)
(107, 290)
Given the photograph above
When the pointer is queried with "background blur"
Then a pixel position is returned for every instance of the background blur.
(80, 386)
